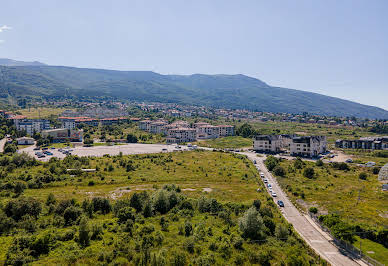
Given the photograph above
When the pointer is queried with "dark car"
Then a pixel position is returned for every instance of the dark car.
(280, 203)
(36, 149)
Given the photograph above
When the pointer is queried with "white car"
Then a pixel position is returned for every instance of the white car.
(265, 180)
(274, 194)
(370, 164)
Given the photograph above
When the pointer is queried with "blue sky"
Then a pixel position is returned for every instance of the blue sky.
(337, 48)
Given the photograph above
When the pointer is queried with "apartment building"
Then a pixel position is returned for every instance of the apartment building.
(308, 146)
(180, 135)
(71, 122)
(208, 132)
(157, 127)
(145, 125)
(368, 143)
(267, 143)
(113, 121)
(225, 130)
(30, 126)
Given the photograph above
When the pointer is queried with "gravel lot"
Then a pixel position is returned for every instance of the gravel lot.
(133, 148)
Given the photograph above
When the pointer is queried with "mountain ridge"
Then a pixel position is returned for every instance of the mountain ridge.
(225, 91)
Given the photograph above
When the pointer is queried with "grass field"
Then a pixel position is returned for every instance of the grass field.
(342, 192)
(197, 237)
(374, 250)
(226, 142)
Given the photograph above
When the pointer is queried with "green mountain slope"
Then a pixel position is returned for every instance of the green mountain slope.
(229, 91)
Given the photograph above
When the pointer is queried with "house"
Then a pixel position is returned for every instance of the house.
(267, 143)
(63, 135)
(180, 135)
(25, 141)
(308, 146)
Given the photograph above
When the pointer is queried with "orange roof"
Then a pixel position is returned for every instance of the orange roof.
(18, 117)
(73, 117)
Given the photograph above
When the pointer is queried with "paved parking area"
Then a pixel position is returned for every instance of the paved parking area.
(132, 148)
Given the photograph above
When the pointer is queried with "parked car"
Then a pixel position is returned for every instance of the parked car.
(269, 185)
(265, 180)
(274, 194)
(44, 149)
(164, 149)
(53, 148)
(49, 153)
(348, 161)
(36, 149)
(41, 156)
(370, 164)
(280, 203)
(254, 162)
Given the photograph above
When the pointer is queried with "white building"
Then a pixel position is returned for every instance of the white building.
(208, 132)
(25, 141)
(180, 135)
(225, 130)
(30, 126)
(267, 143)
(308, 146)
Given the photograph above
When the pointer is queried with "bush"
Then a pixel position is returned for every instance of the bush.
(101, 204)
(16, 209)
(131, 138)
(281, 232)
(71, 214)
(309, 172)
(251, 225)
(376, 170)
(279, 171)
(160, 202)
(313, 210)
(271, 162)
(125, 214)
(83, 232)
(257, 204)
(319, 163)
(362, 176)
(298, 163)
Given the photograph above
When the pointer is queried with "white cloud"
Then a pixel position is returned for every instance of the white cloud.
(1, 41)
(4, 27)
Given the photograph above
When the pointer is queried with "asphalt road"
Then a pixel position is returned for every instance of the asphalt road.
(307, 229)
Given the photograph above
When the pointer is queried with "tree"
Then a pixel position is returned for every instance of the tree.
(135, 202)
(83, 232)
(279, 171)
(257, 204)
(71, 214)
(131, 138)
(251, 225)
(50, 199)
(161, 203)
(16, 209)
(271, 162)
(281, 232)
(245, 131)
(309, 172)
(319, 163)
(125, 214)
(298, 163)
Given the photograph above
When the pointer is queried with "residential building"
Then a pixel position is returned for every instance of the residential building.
(157, 127)
(30, 126)
(267, 143)
(63, 135)
(25, 141)
(208, 132)
(180, 135)
(225, 130)
(368, 143)
(70, 122)
(145, 125)
(200, 124)
(308, 146)
(113, 121)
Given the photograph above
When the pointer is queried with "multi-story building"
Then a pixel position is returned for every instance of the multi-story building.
(225, 130)
(369, 143)
(308, 146)
(267, 143)
(180, 135)
(30, 126)
(71, 122)
(87, 121)
(113, 121)
(208, 132)
(157, 127)
(63, 135)
(145, 125)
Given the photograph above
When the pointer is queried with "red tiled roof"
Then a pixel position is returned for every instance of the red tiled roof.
(18, 117)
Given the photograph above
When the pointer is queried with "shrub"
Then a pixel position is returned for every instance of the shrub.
(376, 170)
(319, 163)
(16, 209)
(362, 176)
(309, 172)
(51, 200)
(279, 171)
(178, 258)
(125, 214)
(101, 204)
(160, 202)
(271, 162)
(257, 204)
(136, 202)
(281, 232)
(313, 210)
(298, 163)
(251, 225)
(71, 214)
(83, 232)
